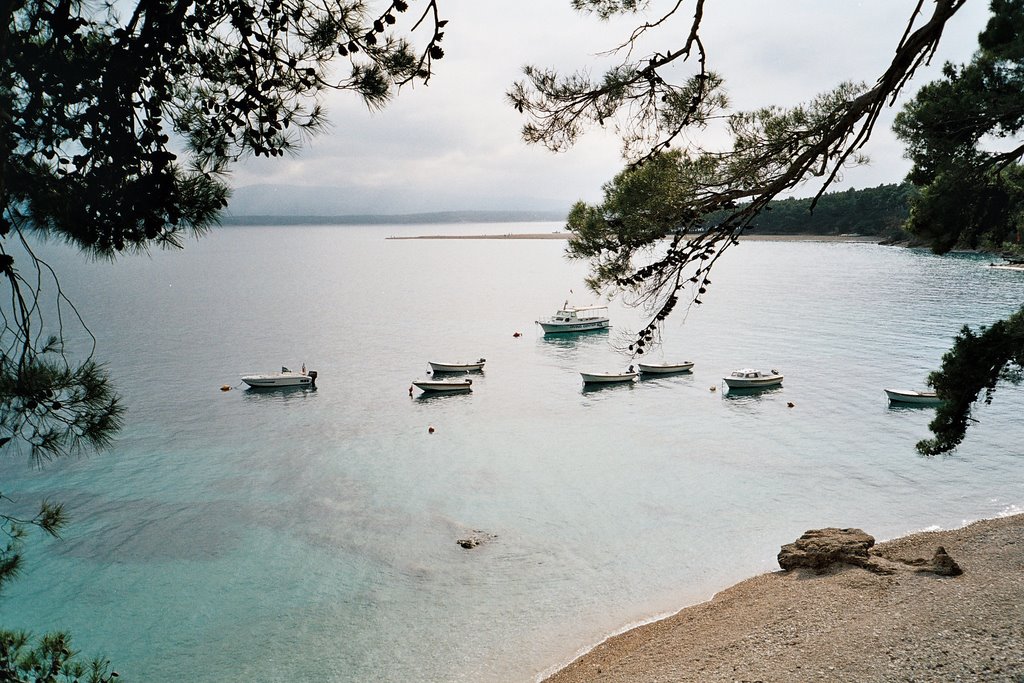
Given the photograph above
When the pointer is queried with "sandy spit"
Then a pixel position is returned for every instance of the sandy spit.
(848, 624)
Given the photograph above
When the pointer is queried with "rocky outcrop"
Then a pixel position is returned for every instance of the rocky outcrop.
(819, 549)
(941, 564)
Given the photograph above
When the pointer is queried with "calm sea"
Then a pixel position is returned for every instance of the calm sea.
(311, 535)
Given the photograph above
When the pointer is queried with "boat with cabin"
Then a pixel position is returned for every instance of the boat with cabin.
(748, 378)
(576, 319)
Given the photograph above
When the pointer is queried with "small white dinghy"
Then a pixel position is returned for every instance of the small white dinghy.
(444, 385)
(475, 366)
(749, 378)
(911, 397)
(664, 368)
(608, 377)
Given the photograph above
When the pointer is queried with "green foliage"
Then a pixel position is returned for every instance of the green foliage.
(50, 660)
(118, 121)
(879, 211)
(701, 198)
(971, 195)
(976, 363)
(117, 124)
(638, 205)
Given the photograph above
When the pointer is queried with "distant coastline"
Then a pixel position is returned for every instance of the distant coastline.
(565, 235)
(426, 218)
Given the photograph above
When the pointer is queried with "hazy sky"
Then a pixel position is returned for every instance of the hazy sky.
(458, 136)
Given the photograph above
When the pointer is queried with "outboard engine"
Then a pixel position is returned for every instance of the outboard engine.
(312, 378)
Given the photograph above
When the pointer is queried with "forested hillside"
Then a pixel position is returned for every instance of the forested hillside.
(878, 211)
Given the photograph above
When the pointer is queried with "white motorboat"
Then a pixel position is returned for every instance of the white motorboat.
(909, 396)
(443, 385)
(608, 377)
(458, 367)
(749, 378)
(285, 378)
(664, 368)
(576, 319)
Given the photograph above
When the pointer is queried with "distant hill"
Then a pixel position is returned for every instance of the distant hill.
(298, 201)
(877, 211)
(402, 219)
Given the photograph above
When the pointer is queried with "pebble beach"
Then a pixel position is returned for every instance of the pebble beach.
(845, 624)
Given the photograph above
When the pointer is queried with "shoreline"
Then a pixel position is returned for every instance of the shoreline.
(565, 235)
(847, 623)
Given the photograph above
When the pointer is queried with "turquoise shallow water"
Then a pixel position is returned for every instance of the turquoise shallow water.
(310, 535)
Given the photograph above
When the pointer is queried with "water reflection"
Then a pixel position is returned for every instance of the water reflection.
(278, 393)
(589, 388)
(570, 340)
(749, 393)
(433, 395)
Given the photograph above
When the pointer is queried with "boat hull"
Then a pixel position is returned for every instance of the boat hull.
(441, 386)
(456, 367)
(663, 368)
(910, 397)
(569, 328)
(607, 377)
(752, 383)
(278, 380)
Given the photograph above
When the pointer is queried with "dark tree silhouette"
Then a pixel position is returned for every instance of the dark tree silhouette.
(118, 122)
(115, 134)
(671, 187)
(972, 195)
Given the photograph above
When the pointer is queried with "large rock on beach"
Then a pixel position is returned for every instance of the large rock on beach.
(941, 564)
(819, 549)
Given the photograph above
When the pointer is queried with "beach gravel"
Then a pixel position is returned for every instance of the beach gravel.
(846, 624)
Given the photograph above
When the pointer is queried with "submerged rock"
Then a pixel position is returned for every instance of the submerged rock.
(818, 549)
(475, 539)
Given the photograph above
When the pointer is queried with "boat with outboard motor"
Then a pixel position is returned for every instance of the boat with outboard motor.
(285, 378)
(608, 377)
(476, 366)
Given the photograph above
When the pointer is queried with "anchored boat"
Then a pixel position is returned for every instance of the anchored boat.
(475, 366)
(576, 319)
(909, 396)
(285, 378)
(749, 378)
(664, 368)
(608, 377)
(444, 385)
